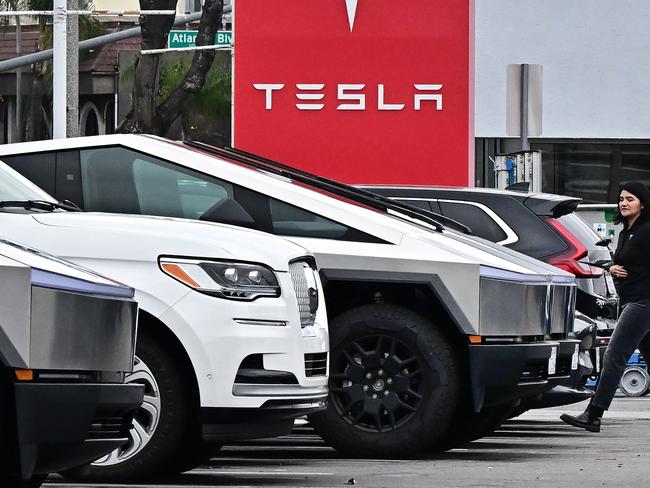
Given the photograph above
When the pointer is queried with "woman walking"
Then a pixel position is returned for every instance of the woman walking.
(631, 270)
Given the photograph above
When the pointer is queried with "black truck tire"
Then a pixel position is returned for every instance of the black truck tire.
(469, 426)
(394, 383)
(8, 442)
(35, 482)
(173, 439)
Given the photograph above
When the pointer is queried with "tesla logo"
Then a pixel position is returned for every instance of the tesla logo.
(310, 96)
(351, 6)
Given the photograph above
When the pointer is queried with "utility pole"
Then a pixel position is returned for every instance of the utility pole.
(18, 136)
(72, 71)
(525, 77)
(59, 104)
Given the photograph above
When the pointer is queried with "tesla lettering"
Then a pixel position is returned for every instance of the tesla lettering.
(310, 88)
(351, 92)
(268, 88)
(359, 97)
(428, 96)
(381, 105)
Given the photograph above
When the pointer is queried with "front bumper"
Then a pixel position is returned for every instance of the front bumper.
(246, 353)
(566, 387)
(504, 373)
(274, 418)
(62, 425)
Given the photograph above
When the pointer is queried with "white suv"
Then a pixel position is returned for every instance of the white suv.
(233, 337)
(435, 334)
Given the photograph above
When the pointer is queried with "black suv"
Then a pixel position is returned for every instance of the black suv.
(545, 227)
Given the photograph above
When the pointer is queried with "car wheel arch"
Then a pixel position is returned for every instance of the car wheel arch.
(149, 324)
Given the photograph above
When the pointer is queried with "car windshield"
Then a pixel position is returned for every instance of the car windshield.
(15, 187)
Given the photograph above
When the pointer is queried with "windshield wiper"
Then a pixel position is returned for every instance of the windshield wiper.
(38, 204)
(373, 200)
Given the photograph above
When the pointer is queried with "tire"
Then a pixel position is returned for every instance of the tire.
(34, 482)
(517, 411)
(8, 442)
(394, 383)
(469, 426)
(487, 421)
(635, 381)
(164, 438)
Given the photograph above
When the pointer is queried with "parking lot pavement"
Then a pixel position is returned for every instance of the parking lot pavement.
(536, 449)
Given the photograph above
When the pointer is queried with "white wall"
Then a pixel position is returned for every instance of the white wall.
(596, 64)
(116, 4)
(131, 5)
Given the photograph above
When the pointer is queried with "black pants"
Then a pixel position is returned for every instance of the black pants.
(631, 333)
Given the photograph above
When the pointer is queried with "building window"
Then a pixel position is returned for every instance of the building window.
(584, 171)
(589, 169)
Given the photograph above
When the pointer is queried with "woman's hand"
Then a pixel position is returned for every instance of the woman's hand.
(618, 271)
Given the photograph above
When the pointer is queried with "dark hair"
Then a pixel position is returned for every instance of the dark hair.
(640, 191)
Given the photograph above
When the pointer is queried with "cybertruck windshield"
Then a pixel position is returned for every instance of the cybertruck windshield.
(15, 187)
(334, 187)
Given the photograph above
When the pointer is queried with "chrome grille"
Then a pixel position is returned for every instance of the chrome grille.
(302, 276)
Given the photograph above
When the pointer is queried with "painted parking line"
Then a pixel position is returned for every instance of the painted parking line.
(232, 472)
(612, 415)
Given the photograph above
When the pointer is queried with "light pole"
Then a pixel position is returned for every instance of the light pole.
(60, 102)
(72, 71)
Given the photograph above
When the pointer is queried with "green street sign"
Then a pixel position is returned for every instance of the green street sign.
(187, 38)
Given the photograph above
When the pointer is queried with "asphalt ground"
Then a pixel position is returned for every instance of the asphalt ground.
(536, 449)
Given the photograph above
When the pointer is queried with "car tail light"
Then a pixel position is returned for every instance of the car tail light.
(569, 260)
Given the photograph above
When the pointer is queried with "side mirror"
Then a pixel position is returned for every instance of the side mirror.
(604, 242)
(228, 211)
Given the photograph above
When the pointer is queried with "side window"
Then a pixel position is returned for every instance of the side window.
(120, 180)
(288, 220)
(143, 184)
(475, 218)
(38, 168)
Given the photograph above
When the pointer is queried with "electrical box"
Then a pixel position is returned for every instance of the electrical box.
(519, 167)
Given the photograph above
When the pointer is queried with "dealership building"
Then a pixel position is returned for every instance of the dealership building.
(588, 80)
(589, 109)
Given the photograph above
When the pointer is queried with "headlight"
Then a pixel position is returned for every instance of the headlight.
(225, 279)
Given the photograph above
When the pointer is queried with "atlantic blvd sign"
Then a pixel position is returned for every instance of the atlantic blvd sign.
(357, 91)
(187, 38)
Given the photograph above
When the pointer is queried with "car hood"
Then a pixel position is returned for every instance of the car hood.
(138, 238)
(471, 249)
(52, 272)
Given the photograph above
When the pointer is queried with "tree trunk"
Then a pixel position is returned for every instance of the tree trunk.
(36, 128)
(155, 30)
(145, 115)
(195, 78)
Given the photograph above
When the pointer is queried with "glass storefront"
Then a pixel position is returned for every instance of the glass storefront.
(591, 170)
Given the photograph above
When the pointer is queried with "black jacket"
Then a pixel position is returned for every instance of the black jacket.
(633, 253)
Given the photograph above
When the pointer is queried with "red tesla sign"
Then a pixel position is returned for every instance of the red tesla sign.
(372, 91)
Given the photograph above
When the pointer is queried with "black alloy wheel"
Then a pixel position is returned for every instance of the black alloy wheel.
(376, 383)
(394, 383)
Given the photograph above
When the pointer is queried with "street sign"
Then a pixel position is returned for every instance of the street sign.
(187, 38)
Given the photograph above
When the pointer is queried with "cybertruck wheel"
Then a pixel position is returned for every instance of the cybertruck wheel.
(394, 383)
(162, 436)
(35, 482)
